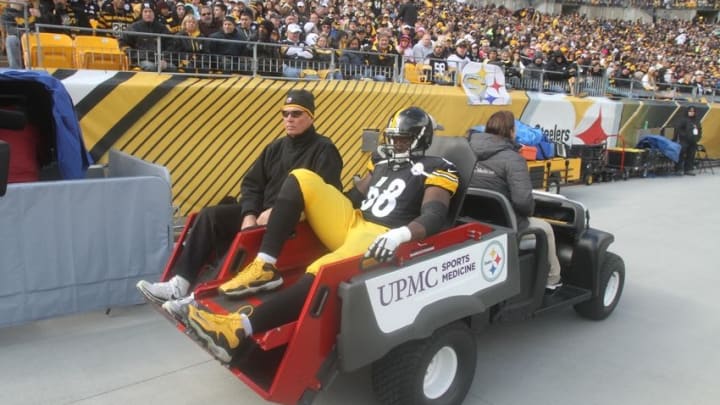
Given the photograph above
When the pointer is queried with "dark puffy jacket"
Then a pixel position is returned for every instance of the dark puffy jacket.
(146, 42)
(501, 168)
(227, 48)
(684, 132)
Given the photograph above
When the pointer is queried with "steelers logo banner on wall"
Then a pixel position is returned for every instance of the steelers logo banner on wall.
(484, 84)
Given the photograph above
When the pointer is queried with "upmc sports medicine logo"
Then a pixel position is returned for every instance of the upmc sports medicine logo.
(397, 297)
(493, 261)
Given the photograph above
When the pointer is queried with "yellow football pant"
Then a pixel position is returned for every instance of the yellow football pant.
(340, 227)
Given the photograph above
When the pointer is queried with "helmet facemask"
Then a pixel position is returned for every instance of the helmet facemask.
(409, 133)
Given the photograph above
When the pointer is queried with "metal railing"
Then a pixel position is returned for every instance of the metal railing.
(586, 84)
(161, 53)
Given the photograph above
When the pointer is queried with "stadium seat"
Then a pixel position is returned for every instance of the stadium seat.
(48, 50)
(104, 53)
(415, 74)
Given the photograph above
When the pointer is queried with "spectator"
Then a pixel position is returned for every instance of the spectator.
(423, 49)
(624, 78)
(219, 12)
(352, 60)
(404, 49)
(559, 71)
(208, 25)
(226, 53)
(365, 42)
(324, 57)
(13, 17)
(382, 59)
(408, 13)
(473, 54)
(296, 55)
(215, 227)
(595, 79)
(513, 68)
(302, 11)
(189, 45)
(59, 12)
(493, 58)
(535, 72)
(458, 59)
(439, 72)
(116, 15)
(165, 17)
(178, 16)
(649, 80)
(245, 28)
(143, 48)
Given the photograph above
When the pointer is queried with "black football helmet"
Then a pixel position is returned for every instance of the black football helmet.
(413, 123)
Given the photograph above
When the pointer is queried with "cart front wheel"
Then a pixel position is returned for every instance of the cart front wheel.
(612, 281)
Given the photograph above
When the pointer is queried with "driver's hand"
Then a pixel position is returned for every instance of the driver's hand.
(385, 245)
(248, 221)
(264, 217)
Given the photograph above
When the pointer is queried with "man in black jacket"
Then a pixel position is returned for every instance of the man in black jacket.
(226, 53)
(215, 227)
(688, 133)
(143, 48)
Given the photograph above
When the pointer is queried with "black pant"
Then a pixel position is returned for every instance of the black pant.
(687, 157)
(212, 233)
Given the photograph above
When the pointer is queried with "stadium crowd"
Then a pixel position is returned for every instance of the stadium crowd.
(378, 33)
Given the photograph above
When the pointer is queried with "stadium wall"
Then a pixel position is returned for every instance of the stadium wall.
(208, 132)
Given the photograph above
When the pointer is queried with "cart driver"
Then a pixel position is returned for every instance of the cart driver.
(500, 168)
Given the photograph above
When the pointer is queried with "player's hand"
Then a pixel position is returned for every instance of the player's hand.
(385, 245)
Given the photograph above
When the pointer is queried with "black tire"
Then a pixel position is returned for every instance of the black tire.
(446, 360)
(612, 281)
(589, 179)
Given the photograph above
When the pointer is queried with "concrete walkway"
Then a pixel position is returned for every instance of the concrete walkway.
(659, 347)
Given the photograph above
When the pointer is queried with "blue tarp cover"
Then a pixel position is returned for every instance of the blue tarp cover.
(524, 134)
(668, 148)
(73, 159)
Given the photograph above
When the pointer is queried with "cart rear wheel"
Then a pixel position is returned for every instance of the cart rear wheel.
(434, 371)
(589, 179)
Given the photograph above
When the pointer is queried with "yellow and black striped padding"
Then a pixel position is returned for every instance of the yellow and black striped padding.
(209, 131)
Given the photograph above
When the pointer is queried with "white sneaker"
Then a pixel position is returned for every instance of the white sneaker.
(553, 286)
(179, 308)
(175, 288)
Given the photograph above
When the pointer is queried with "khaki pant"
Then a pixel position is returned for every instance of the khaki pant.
(554, 273)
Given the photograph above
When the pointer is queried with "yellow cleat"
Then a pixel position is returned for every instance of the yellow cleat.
(222, 333)
(257, 276)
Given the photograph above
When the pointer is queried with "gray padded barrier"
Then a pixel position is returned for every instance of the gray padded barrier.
(80, 245)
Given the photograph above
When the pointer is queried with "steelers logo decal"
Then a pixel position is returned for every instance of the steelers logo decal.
(493, 261)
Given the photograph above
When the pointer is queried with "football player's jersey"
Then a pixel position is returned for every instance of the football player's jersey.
(117, 20)
(395, 197)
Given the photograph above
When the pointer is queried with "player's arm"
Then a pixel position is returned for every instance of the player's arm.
(433, 213)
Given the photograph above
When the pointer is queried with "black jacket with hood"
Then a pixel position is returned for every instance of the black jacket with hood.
(501, 168)
(689, 129)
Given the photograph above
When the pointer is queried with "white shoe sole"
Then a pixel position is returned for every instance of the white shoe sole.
(251, 290)
(141, 286)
